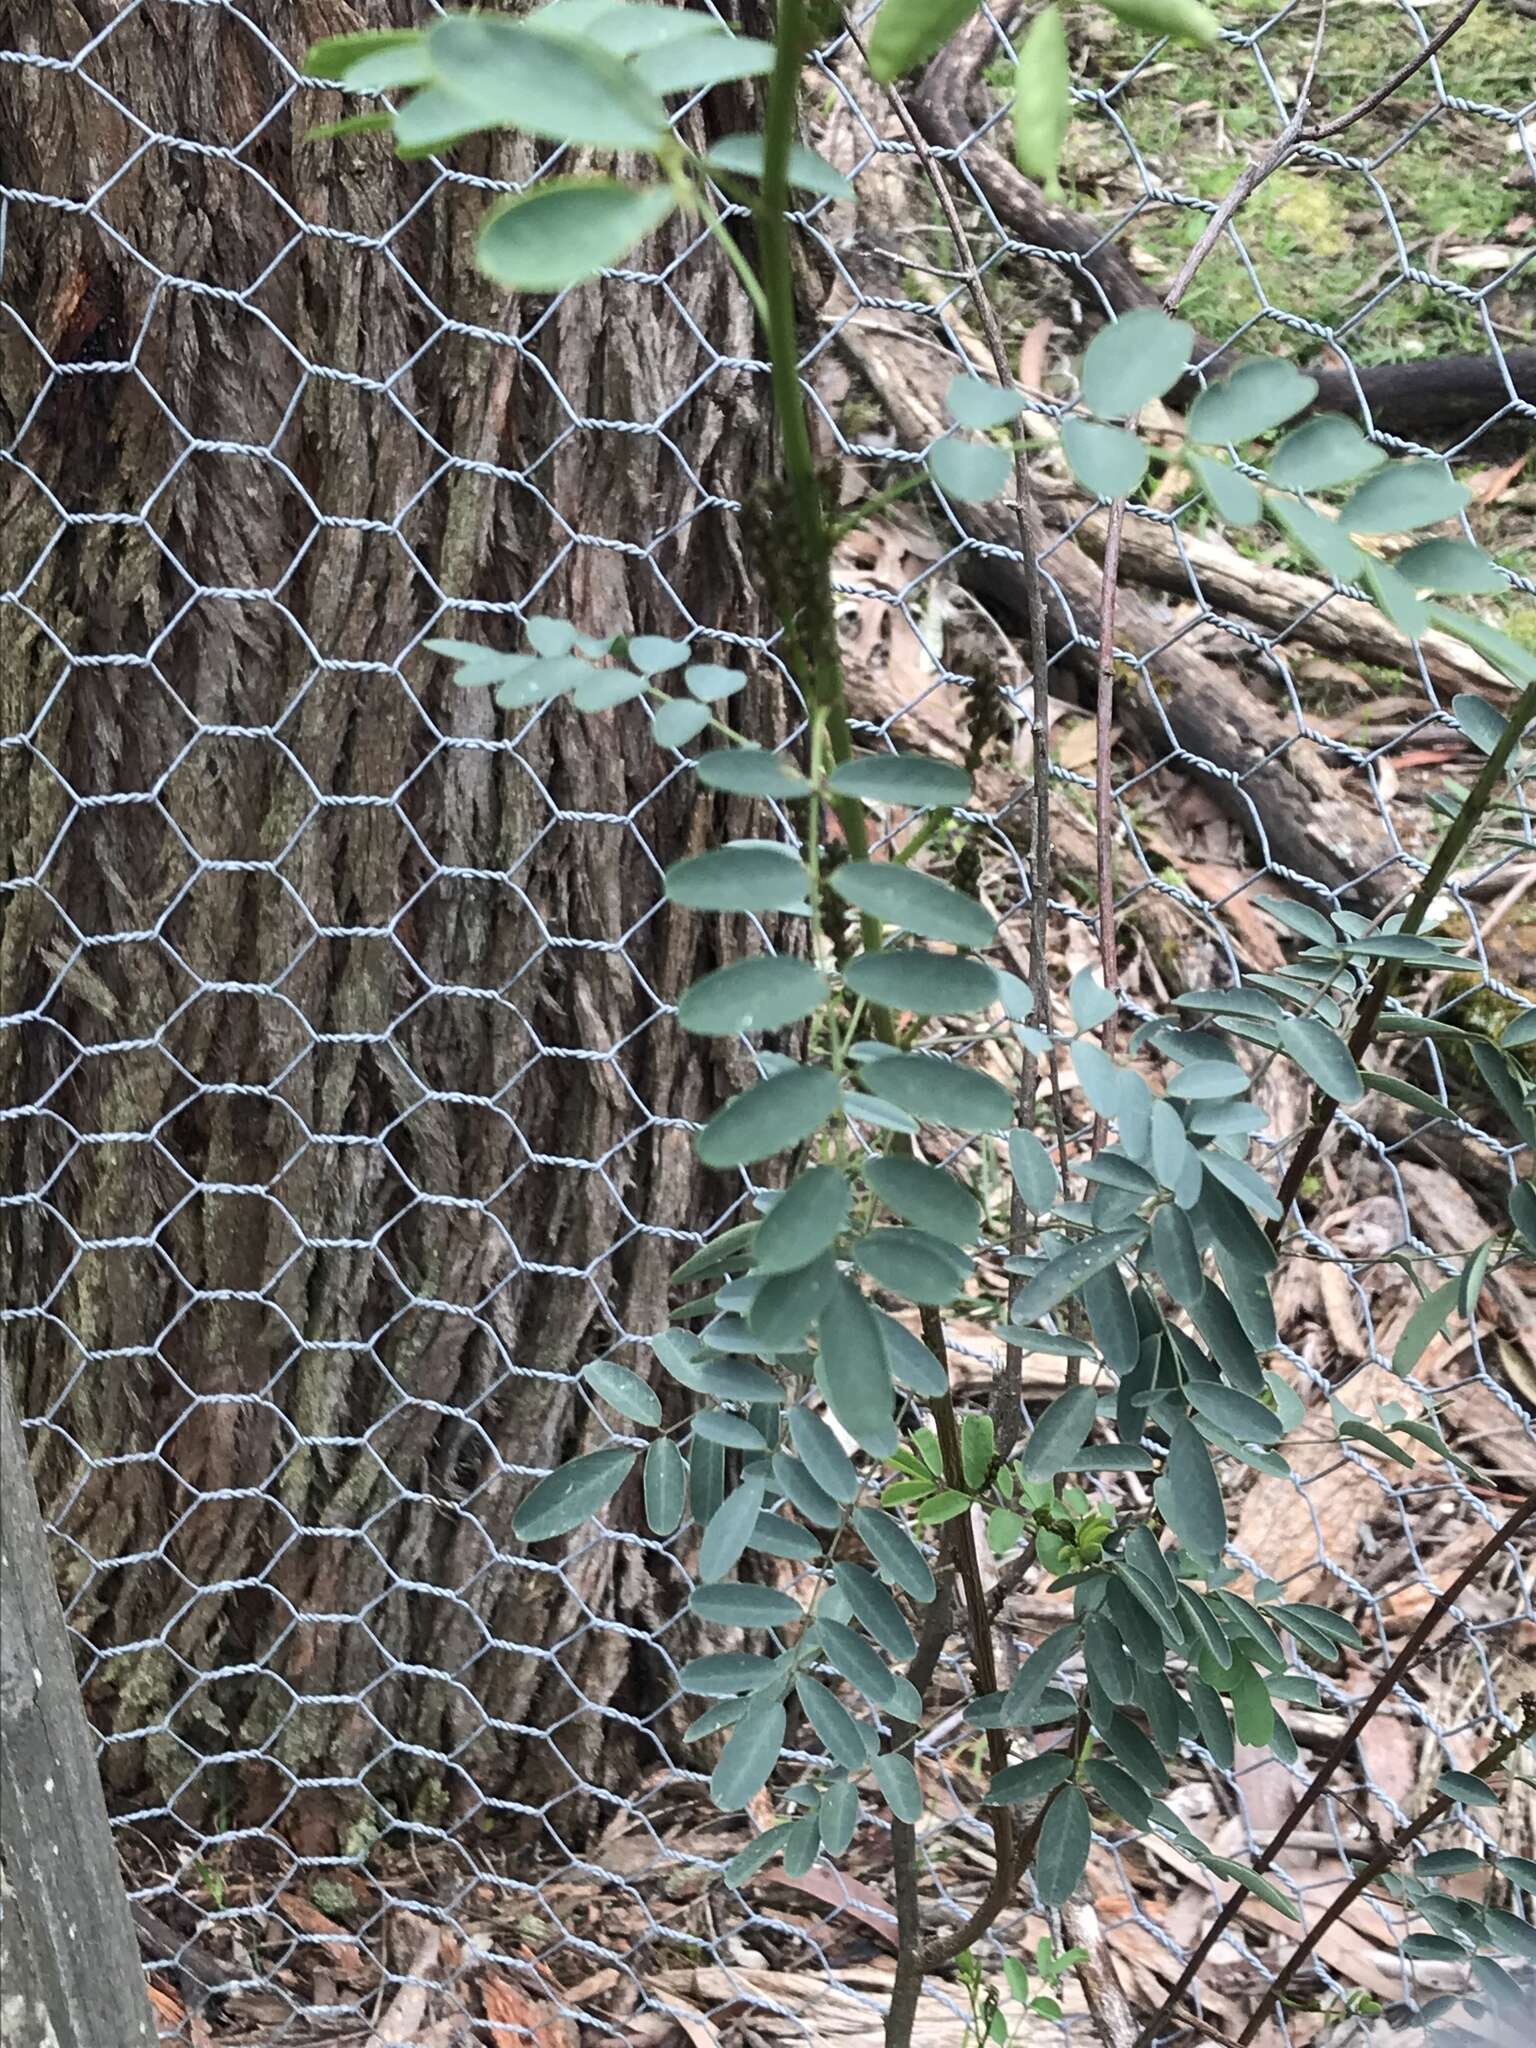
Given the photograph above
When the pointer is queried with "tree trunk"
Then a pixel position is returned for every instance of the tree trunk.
(69, 1964)
(354, 1119)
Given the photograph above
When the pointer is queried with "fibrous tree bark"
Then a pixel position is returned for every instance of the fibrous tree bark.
(356, 1117)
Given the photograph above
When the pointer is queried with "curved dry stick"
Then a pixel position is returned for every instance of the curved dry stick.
(1379, 1864)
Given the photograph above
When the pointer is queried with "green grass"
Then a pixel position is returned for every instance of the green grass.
(1320, 240)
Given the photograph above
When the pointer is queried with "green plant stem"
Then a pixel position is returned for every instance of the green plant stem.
(1384, 979)
(1369, 1707)
(1376, 1868)
(908, 1983)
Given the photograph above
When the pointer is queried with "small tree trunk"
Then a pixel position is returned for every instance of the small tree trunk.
(69, 1962)
(388, 1120)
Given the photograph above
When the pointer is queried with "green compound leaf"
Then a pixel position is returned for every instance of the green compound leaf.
(858, 1662)
(971, 472)
(839, 1733)
(919, 903)
(666, 1486)
(1235, 1414)
(747, 1761)
(823, 1456)
(803, 1222)
(509, 76)
(1042, 100)
(679, 721)
(568, 230)
(1190, 1493)
(730, 1528)
(1397, 599)
(1251, 1881)
(1404, 496)
(927, 984)
(1498, 648)
(915, 780)
(1134, 360)
(927, 1196)
(942, 1092)
(734, 1432)
(1322, 454)
(1232, 497)
(975, 403)
(1060, 1434)
(1451, 568)
(1185, 20)
(622, 27)
(912, 1364)
(1063, 1275)
(1109, 461)
(752, 874)
(876, 1608)
(571, 1495)
(728, 1675)
(1466, 1789)
(1320, 537)
(1018, 1784)
(690, 63)
(897, 1558)
(1176, 1255)
(758, 1854)
(1034, 1173)
(654, 656)
(912, 1264)
(852, 1372)
(1066, 1835)
(743, 156)
(334, 57)
(751, 771)
(899, 1782)
(908, 32)
(777, 1113)
(761, 994)
(787, 1304)
(1323, 1057)
(712, 684)
(623, 1390)
(735, 1606)
(1256, 397)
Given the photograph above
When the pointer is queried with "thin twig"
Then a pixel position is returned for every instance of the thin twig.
(1109, 584)
(1322, 130)
(1401, 1663)
(1249, 180)
(1103, 795)
(1376, 1868)
(907, 1985)
(978, 1623)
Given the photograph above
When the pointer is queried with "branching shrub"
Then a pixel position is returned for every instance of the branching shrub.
(824, 1430)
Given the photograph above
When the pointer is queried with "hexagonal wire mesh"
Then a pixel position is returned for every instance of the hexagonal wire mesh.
(150, 268)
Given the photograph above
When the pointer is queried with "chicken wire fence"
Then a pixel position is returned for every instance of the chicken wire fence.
(186, 1113)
